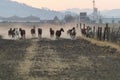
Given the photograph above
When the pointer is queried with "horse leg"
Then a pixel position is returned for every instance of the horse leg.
(24, 36)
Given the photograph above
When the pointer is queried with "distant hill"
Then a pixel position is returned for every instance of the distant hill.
(111, 13)
(9, 8)
(20, 19)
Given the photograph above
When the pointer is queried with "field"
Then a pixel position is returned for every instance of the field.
(64, 59)
(58, 60)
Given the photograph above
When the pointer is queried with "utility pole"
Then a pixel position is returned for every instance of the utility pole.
(95, 12)
(93, 4)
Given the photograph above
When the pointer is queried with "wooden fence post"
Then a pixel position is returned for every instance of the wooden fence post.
(106, 32)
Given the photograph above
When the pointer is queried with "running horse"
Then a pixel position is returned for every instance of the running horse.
(22, 33)
(69, 31)
(59, 32)
(33, 31)
(17, 33)
(10, 31)
(52, 33)
(83, 31)
(72, 33)
(39, 33)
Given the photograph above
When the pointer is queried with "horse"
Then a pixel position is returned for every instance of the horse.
(58, 33)
(69, 31)
(72, 32)
(22, 33)
(39, 32)
(17, 33)
(10, 32)
(83, 31)
(33, 32)
(51, 33)
(13, 33)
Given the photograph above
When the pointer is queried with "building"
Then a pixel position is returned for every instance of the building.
(84, 17)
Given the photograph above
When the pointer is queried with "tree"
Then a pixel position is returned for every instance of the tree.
(56, 18)
(69, 18)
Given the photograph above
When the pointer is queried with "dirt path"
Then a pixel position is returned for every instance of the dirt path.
(46, 63)
(25, 65)
(40, 60)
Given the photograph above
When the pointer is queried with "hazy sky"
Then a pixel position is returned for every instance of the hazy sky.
(66, 4)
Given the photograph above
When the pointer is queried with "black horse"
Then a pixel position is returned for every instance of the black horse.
(58, 33)
(84, 31)
(52, 33)
(33, 32)
(22, 33)
(10, 31)
(73, 33)
(39, 32)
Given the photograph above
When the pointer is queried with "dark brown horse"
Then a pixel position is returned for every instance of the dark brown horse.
(83, 31)
(33, 32)
(10, 31)
(39, 32)
(22, 33)
(52, 32)
(58, 33)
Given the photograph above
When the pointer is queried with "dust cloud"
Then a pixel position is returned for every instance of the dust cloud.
(4, 27)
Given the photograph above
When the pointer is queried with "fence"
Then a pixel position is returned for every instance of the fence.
(106, 33)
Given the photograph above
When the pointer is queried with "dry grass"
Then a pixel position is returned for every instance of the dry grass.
(58, 60)
(103, 43)
(11, 53)
(55, 60)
